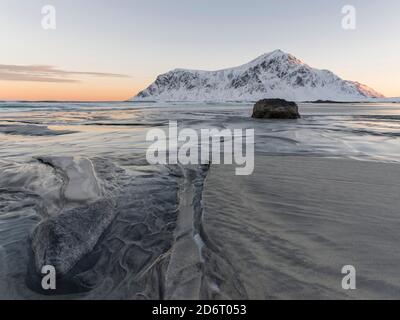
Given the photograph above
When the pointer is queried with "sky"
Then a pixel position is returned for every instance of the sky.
(110, 50)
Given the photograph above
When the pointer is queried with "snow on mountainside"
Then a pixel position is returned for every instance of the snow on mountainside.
(272, 75)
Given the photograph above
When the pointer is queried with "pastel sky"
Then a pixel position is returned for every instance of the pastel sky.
(109, 50)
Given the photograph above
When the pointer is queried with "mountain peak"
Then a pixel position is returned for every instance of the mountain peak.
(278, 54)
(276, 74)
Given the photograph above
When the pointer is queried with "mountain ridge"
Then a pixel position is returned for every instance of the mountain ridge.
(272, 75)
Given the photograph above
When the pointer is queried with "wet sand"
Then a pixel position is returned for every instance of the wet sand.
(289, 228)
(77, 192)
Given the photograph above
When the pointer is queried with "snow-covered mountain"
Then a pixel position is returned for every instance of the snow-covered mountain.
(272, 75)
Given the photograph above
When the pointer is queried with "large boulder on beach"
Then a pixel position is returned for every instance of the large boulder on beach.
(62, 241)
(275, 109)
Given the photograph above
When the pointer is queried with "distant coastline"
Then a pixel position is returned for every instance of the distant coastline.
(381, 100)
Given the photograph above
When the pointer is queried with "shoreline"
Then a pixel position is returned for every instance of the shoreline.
(384, 100)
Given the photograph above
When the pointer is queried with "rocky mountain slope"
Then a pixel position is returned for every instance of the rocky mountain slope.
(272, 75)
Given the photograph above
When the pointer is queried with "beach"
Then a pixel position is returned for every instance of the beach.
(77, 192)
(289, 228)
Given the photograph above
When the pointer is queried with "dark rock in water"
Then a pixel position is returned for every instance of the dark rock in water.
(62, 241)
(275, 109)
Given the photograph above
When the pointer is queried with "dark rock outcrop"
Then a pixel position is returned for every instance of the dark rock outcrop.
(275, 109)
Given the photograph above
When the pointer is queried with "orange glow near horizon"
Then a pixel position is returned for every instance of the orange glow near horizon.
(106, 90)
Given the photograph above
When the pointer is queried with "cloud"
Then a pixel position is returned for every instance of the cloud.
(43, 73)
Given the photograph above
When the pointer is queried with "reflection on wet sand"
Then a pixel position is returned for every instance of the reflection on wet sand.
(77, 192)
